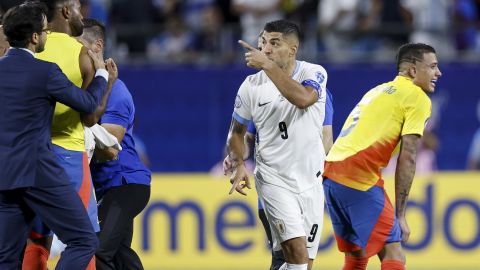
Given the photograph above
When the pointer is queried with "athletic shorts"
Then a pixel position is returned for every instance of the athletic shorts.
(75, 164)
(361, 219)
(292, 215)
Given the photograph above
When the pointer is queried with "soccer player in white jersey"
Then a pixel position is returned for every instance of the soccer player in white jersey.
(286, 102)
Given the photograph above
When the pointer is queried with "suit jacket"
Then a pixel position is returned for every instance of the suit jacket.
(29, 89)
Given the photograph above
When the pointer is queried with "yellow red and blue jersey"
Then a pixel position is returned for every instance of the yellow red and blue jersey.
(373, 130)
(67, 128)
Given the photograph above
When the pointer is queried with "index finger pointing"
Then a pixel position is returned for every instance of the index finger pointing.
(245, 45)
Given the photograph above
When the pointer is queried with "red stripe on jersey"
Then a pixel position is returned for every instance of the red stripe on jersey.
(363, 168)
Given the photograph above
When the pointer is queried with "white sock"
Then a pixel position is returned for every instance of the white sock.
(296, 266)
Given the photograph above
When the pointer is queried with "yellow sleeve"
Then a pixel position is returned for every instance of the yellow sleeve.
(417, 108)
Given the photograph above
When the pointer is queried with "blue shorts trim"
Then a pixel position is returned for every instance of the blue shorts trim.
(361, 219)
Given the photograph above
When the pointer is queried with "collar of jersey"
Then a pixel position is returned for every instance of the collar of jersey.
(57, 34)
(405, 80)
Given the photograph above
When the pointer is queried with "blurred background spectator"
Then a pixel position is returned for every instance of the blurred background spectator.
(432, 23)
(133, 25)
(253, 15)
(337, 22)
(206, 31)
(465, 18)
(97, 9)
(173, 45)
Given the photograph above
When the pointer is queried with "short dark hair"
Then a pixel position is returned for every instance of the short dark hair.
(283, 26)
(51, 7)
(20, 22)
(94, 28)
(412, 52)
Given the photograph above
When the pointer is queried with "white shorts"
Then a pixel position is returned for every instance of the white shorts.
(292, 215)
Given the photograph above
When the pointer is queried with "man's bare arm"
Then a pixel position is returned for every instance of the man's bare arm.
(236, 148)
(297, 94)
(249, 141)
(110, 153)
(405, 172)
(88, 72)
(235, 143)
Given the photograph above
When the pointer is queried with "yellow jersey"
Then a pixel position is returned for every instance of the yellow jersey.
(373, 130)
(67, 128)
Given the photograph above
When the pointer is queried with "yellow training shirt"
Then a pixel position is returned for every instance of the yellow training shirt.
(67, 128)
(372, 131)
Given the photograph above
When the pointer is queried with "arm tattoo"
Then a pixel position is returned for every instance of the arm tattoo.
(409, 146)
(235, 142)
(405, 172)
(401, 202)
(237, 127)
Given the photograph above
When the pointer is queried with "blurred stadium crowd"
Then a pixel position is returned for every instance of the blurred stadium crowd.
(206, 31)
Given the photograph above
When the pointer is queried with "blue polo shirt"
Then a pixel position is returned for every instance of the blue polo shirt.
(128, 169)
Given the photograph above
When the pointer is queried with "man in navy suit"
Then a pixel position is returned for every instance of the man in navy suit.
(31, 181)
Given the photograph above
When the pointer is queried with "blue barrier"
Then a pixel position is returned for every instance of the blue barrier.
(183, 113)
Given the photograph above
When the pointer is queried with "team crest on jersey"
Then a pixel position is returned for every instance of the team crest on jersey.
(320, 77)
(280, 225)
(238, 102)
